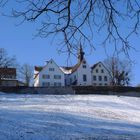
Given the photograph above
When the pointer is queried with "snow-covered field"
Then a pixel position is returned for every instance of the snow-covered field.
(69, 117)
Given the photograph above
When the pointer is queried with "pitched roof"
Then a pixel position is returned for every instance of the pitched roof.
(69, 70)
(38, 68)
(66, 70)
(81, 59)
(8, 71)
(76, 66)
(94, 66)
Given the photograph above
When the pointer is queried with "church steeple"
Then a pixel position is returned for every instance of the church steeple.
(81, 54)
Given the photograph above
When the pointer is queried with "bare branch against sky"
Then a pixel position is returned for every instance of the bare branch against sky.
(78, 20)
(5, 60)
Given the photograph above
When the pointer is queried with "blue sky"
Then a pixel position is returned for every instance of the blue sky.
(19, 42)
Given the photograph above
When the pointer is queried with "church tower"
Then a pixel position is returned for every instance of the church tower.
(81, 54)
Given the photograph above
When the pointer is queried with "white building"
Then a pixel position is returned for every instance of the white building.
(49, 75)
(80, 74)
(100, 75)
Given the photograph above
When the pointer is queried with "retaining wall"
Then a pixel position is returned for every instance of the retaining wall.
(38, 90)
(120, 91)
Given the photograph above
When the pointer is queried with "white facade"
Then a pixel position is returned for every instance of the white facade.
(49, 75)
(81, 75)
(100, 75)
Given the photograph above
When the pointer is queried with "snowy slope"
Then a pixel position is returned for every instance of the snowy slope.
(69, 117)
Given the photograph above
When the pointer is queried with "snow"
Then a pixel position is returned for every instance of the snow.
(69, 117)
(65, 70)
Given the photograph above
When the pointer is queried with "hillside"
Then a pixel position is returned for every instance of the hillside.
(69, 117)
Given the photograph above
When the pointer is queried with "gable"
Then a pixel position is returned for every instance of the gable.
(79, 65)
(51, 65)
(99, 65)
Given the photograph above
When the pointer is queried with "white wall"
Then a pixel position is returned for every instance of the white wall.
(78, 75)
(36, 81)
(45, 71)
(73, 77)
(84, 71)
(105, 73)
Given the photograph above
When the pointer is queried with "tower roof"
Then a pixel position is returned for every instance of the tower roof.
(81, 53)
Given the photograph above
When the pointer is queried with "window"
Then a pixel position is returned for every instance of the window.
(96, 70)
(102, 71)
(45, 76)
(94, 84)
(105, 78)
(84, 66)
(100, 84)
(45, 84)
(57, 76)
(51, 69)
(99, 65)
(57, 84)
(84, 62)
(94, 78)
(74, 77)
(100, 78)
(84, 78)
(70, 80)
(105, 84)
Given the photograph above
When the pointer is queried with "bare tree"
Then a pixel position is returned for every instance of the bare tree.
(138, 85)
(5, 60)
(120, 71)
(26, 74)
(78, 20)
(3, 2)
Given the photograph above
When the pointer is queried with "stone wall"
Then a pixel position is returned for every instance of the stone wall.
(107, 90)
(38, 90)
(79, 90)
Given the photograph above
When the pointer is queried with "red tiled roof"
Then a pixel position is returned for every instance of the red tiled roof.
(8, 71)
(38, 68)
